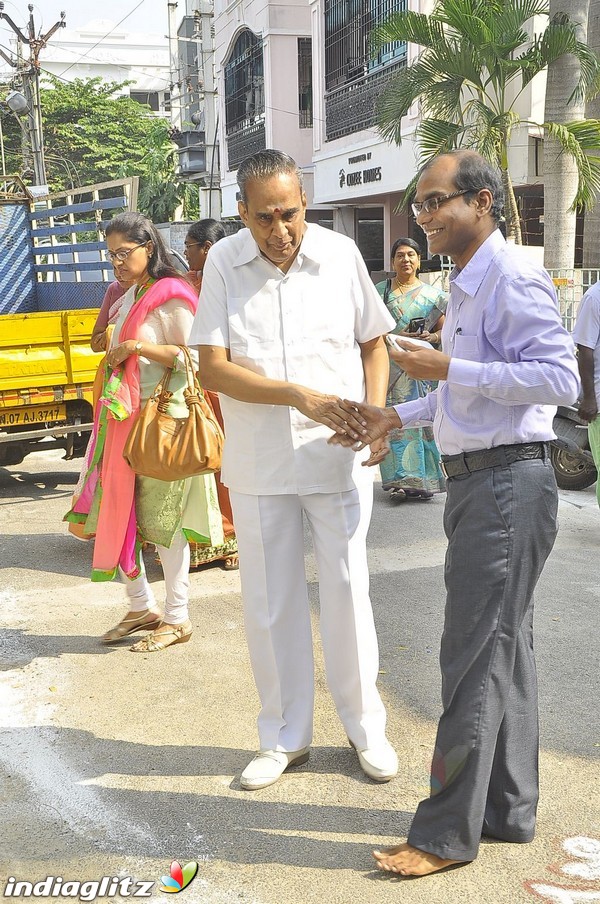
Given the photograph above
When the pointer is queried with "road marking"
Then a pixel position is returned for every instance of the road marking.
(586, 866)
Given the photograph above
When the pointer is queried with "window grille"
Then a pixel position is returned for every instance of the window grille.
(354, 75)
(244, 84)
(305, 100)
(348, 24)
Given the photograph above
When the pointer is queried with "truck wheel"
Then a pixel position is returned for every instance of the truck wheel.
(11, 454)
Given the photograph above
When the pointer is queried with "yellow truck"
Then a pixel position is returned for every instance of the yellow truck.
(47, 371)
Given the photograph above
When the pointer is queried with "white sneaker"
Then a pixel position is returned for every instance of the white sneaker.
(269, 765)
(379, 763)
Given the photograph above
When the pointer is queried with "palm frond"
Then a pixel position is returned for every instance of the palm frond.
(462, 18)
(401, 92)
(513, 16)
(445, 100)
(408, 26)
(409, 193)
(457, 59)
(581, 141)
(556, 40)
(435, 136)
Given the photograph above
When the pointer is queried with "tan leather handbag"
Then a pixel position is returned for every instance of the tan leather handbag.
(171, 448)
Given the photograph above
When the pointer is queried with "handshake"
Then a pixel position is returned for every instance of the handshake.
(358, 424)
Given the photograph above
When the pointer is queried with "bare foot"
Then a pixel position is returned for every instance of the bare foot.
(410, 861)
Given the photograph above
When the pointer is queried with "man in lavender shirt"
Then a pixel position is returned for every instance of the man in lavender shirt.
(506, 362)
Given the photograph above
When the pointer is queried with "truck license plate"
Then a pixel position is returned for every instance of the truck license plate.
(32, 415)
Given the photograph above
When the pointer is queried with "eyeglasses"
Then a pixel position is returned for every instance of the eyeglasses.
(189, 244)
(121, 256)
(432, 204)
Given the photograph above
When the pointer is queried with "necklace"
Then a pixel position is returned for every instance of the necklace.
(403, 289)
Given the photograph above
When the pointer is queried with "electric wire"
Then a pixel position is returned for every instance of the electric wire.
(114, 28)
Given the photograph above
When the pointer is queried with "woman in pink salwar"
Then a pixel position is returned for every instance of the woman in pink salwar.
(119, 508)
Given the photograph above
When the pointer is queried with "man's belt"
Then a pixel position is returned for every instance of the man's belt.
(499, 457)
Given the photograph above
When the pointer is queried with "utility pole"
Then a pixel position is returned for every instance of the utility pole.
(206, 64)
(29, 74)
(175, 86)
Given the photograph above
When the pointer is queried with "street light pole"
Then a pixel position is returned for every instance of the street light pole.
(30, 74)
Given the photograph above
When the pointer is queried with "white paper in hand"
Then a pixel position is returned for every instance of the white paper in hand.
(395, 342)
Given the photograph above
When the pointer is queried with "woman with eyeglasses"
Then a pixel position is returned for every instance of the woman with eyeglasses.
(198, 242)
(411, 470)
(116, 506)
(201, 236)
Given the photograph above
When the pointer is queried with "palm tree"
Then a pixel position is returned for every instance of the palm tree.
(564, 104)
(591, 227)
(477, 60)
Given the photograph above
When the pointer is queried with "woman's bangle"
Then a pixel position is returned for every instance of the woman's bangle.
(435, 338)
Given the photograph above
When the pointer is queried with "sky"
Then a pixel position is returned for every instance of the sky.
(148, 16)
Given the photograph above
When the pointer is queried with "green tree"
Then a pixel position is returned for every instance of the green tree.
(160, 195)
(478, 57)
(94, 133)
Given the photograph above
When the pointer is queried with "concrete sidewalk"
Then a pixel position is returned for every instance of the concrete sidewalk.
(116, 763)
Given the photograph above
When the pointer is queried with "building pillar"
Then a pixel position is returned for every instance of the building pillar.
(343, 221)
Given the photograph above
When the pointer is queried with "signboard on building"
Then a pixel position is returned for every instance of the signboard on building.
(357, 174)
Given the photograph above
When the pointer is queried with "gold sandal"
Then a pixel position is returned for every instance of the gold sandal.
(154, 642)
(132, 625)
(231, 563)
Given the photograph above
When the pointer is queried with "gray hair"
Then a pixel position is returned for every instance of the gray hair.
(474, 172)
(265, 165)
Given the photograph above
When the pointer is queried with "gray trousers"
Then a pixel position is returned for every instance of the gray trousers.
(501, 526)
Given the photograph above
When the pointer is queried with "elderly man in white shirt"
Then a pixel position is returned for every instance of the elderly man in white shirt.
(288, 324)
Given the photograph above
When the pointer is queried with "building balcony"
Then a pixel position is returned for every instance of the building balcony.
(245, 141)
(353, 107)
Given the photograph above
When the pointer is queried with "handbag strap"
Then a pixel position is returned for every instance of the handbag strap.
(193, 383)
(163, 384)
(386, 292)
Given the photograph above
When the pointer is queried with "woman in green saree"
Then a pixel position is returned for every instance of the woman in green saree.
(411, 470)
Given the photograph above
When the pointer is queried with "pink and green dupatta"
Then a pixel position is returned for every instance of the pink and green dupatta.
(108, 491)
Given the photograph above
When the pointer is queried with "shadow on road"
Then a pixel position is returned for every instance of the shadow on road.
(236, 828)
(23, 486)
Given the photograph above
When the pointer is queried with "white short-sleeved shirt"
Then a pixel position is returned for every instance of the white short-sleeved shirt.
(587, 329)
(304, 327)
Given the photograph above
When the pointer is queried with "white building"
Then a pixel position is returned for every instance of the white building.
(114, 55)
(299, 75)
(263, 62)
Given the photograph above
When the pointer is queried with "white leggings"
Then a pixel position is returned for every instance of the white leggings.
(175, 563)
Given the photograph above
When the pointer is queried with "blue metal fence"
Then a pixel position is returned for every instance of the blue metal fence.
(17, 267)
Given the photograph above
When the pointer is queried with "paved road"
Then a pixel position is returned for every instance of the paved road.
(113, 764)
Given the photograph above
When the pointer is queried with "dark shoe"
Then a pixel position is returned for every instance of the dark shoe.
(418, 495)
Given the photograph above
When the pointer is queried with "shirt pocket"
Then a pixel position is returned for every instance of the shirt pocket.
(466, 347)
(253, 332)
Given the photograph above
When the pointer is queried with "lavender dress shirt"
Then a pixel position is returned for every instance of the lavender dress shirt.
(512, 359)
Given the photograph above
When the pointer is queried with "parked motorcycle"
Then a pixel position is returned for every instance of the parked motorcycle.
(570, 452)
